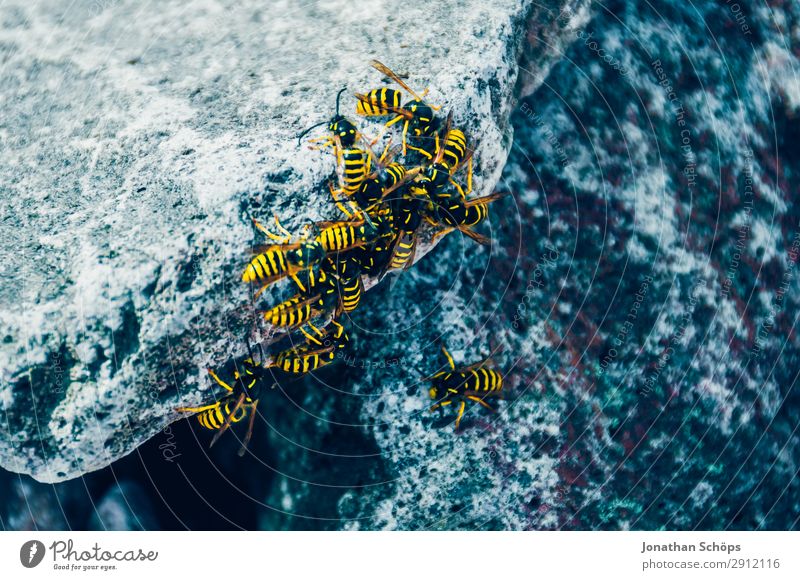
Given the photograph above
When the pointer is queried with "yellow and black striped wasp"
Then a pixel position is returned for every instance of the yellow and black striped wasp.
(342, 236)
(407, 207)
(357, 231)
(448, 155)
(417, 115)
(282, 259)
(339, 126)
(294, 311)
(319, 350)
(353, 161)
(462, 215)
(349, 286)
(241, 399)
(459, 385)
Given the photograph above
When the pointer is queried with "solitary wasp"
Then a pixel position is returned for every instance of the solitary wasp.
(474, 383)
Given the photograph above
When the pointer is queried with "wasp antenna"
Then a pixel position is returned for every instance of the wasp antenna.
(304, 133)
(338, 96)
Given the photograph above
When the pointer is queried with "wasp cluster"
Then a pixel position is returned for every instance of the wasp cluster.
(423, 173)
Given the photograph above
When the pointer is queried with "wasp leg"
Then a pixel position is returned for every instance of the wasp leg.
(309, 336)
(385, 153)
(327, 142)
(249, 433)
(440, 404)
(286, 233)
(335, 195)
(405, 137)
(460, 413)
(195, 409)
(260, 291)
(280, 239)
(395, 120)
(228, 420)
(458, 188)
(481, 401)
(469, 177)
(449, 358)
(421, 151)
(297, 281)
(425, 92)
(443, 232)
(219, 381)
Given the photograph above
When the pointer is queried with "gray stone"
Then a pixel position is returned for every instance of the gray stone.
(138, 142)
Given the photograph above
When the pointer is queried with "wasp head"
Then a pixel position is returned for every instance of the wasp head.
(344, 129)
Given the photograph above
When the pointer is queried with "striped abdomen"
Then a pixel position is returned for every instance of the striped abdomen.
(482, 379)
(341, 236)
(403, 252)
(375, 102)
(460, 214)
(269, 265)
(214, 417)
(298, 360)
(394, 173)
(455, 149)
(296, 310)
(355, 170)
(351, 291)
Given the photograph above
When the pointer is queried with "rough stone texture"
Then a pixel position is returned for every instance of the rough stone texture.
(702, 436)
(138, 142)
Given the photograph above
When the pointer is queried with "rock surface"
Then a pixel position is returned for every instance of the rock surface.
(137, 144)
(644, 291)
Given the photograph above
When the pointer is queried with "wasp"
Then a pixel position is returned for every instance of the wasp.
(340, 128)
(350, 285)
(458, 385)
(449, 154)
(353, 161)
(283, 259)
(241, 399)
(461, 215)
(417, 115)
(408, 209)
(294, 311)
(345, 235)
(301, 360)
(319, 350)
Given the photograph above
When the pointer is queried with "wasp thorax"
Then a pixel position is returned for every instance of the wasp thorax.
(306, 255)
